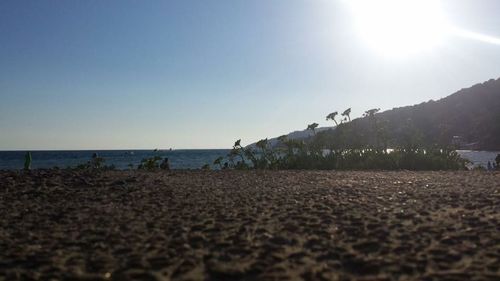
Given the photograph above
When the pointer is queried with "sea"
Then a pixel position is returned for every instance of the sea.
(120, 159)
(178, 159)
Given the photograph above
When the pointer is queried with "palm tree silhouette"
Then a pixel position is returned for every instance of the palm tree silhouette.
(331, 116)
(347, 113)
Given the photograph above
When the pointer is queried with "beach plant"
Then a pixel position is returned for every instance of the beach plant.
(260, 157)
(331, 116)
(358, 145)
(300, 155)
(27, 161)
(218, 162)
(96, 163)
(264, 153)
(268, 157)
(347, 114)
(150, 163)
(238, 151)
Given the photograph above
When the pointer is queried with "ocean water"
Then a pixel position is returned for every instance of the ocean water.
(121, 159)
(479, 158)
(179, 159)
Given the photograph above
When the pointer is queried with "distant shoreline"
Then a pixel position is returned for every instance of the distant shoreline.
(117, 149)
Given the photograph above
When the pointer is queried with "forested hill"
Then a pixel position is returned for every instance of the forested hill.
(469, 118)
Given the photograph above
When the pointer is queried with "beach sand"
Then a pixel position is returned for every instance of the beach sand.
(249, 225)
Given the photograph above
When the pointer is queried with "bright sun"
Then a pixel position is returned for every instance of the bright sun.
(399, 27)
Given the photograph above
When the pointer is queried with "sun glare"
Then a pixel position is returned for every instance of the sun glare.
(399, 27)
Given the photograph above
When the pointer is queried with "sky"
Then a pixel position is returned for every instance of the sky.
(130, 74)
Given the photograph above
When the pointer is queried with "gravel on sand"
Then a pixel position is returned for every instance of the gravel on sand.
(249, 225)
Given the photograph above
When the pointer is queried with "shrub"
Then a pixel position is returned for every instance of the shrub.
(150, 164)
(96, 163)
(353, 147)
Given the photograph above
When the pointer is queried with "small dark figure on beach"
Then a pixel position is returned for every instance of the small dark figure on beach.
(226, 166)
(165, 165)
(490, 167)
(27, 161)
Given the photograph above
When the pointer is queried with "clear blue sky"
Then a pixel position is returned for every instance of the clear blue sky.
(200, 74)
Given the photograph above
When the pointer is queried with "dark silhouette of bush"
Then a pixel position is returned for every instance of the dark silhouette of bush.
(361, 144)
(150, 164)
(96, 163)
(332, 116)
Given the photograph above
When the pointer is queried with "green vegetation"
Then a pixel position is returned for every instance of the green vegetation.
(150, 164)
(362, 144)
(27, 161)
(332, 116)
(154, 163)
(347, 114)
(95, 164)
(218, 162)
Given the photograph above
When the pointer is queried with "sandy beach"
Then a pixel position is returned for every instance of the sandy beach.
(249, 225)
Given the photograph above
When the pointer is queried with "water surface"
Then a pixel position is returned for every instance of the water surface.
(121, 159)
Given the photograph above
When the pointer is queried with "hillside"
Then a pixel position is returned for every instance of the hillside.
(295, 135)
(468, 119)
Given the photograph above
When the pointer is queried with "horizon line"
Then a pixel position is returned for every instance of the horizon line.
(113, 149)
